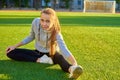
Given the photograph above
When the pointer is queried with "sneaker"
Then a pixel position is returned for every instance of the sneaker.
(46, 59)
(75, 72)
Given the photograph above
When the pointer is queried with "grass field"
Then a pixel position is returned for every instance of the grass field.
(93, 38)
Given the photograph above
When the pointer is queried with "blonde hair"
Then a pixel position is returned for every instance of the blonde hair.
(56, 29)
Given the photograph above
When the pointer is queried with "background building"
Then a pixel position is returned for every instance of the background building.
(56, 4)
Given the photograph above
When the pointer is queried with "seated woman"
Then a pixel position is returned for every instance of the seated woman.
(48, 39)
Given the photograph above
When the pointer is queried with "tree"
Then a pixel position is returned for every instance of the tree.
(16, 3)
(70, 5)
(118, 2)
(46, 3)
(1, 3)
(67, 3)
(36, 4)
(53, 4)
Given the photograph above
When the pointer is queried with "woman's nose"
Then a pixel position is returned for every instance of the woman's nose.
(44, 23)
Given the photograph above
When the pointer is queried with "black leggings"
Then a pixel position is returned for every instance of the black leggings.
(33, 55)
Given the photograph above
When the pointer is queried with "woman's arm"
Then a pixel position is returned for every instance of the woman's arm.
(65, 51)
(13, 47)
(24, 41)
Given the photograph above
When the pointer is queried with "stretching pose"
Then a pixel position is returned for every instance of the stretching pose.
(49, 45)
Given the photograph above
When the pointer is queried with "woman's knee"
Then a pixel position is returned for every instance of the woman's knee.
(11, 54)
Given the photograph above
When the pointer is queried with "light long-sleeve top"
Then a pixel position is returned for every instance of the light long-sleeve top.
(41, 39)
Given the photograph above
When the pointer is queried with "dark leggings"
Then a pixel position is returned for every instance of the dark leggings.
(33, 55)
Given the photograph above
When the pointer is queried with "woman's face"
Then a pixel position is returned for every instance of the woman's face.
(46, 22)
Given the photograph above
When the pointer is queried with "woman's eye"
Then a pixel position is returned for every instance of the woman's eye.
(42, 20)
(47, 21)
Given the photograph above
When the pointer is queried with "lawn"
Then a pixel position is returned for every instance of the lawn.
(93, 38)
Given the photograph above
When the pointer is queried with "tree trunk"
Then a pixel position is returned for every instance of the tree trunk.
(53, 2)
(36, 4)
(119, 6)
(19, 4)
(1, 4)
(70, 5)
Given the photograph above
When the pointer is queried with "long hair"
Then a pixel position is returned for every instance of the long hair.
(56, 29)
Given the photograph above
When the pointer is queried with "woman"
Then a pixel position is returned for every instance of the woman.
(48, 43)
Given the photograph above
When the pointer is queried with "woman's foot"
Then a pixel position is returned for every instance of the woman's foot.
(75, 72)
(45, 59)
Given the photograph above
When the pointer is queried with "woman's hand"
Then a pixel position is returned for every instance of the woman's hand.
(13, 47)
(10, 49)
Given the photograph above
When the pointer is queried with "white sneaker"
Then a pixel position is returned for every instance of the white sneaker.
(46, 59)
(75, 72)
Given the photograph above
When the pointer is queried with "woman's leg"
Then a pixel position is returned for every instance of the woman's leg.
(24, 55)
(59, 59)
(75, 71)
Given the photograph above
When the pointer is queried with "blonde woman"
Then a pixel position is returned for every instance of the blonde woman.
(48, 39)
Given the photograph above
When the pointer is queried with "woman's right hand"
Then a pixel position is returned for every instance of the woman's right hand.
(13, 47)
(10, 49)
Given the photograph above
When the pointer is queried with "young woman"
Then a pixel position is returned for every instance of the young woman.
(49, 45)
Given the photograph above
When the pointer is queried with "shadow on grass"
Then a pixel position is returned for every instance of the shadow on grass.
(90, 21)
(19, 16)
(16, 21)
(100, 21)
(13, 70)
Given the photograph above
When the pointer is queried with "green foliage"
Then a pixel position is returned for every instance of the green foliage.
(93, 38)
(118, 1)
(26, 3)
(3, 3)
(46, 3)
(67, 3)
(16, 3)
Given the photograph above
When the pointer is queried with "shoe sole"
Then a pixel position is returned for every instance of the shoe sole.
(77, 72)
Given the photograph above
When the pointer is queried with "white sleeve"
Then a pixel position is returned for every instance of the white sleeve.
(62, 46)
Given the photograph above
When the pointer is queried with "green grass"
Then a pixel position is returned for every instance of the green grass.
(93, 38)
